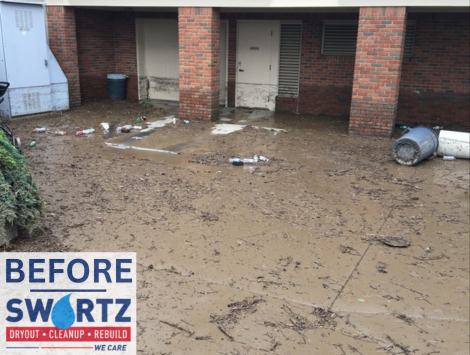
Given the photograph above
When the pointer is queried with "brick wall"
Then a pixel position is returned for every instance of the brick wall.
(435, 83)
(377, 70)
(63, 43)
(106, 44)
(438, 69)
(125, 52)
(95, 51)
(199, 62)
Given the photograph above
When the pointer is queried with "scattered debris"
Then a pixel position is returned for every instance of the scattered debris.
(396, 298)
(176, 326)
(348, 250)
(382, 267)
(406, 350)
(236, 310)
(85, 132)
(397, 242)
(105, 126)
(325, 317)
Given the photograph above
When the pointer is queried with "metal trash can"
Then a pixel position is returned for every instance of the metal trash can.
(416, 144)
(117, 86)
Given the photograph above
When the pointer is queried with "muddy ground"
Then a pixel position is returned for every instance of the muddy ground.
(284, 257)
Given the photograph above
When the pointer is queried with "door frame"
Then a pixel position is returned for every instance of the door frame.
(277, 55)
(226, 24)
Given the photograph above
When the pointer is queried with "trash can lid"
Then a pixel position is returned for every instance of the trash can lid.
(117, 76)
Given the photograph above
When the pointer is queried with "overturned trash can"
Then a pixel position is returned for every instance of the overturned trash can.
(117, 86)
(416, 144)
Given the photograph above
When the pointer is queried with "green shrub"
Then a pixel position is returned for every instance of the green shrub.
(20, 202)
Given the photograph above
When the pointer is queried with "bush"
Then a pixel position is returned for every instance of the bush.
(20, 202)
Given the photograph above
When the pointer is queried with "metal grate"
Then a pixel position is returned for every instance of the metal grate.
(340, 38)
(289, 60)
(24, 19)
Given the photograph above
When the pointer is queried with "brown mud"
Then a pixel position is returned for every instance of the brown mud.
(283, 257)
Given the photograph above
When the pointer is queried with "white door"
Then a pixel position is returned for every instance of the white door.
(159, 57)
(257, 64)
(26, 57)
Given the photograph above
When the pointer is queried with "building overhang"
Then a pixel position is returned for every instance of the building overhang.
(265, 4)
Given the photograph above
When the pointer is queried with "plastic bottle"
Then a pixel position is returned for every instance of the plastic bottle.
(32, 144)
(138, 120)
(174, 120)
(60, 133)
(86, 131)
(449, 157)
(261, 158)
(138, 128)
(255, 158)
(186, 121)
(249, 161)
(126, 129)
(236, 161)
(39, 129)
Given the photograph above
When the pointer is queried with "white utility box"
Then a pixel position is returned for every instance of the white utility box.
(37, 83)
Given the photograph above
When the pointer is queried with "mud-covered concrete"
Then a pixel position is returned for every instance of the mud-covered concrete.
(283, 257)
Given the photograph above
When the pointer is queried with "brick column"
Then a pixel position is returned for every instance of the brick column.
(199, 62)
(63, 43)
(377, 71)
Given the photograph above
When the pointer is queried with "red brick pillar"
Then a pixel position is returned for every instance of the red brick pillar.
(379, 54)
(199, 62)
(63, 43)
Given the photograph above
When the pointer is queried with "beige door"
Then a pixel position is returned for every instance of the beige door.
(257, 64)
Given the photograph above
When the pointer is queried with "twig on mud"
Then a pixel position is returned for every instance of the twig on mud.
(405, 349)
(353, 349)
(236, 310)
(423, 296)
(409, 321)
(222, 329)
(177, 327)
(203, 337)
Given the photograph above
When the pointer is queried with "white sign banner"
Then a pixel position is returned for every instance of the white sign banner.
(67, 303)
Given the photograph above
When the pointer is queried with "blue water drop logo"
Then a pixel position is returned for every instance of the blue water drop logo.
(63, 315)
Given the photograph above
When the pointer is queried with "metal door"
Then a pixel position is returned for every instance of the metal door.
(257, 64)
(26, 57)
